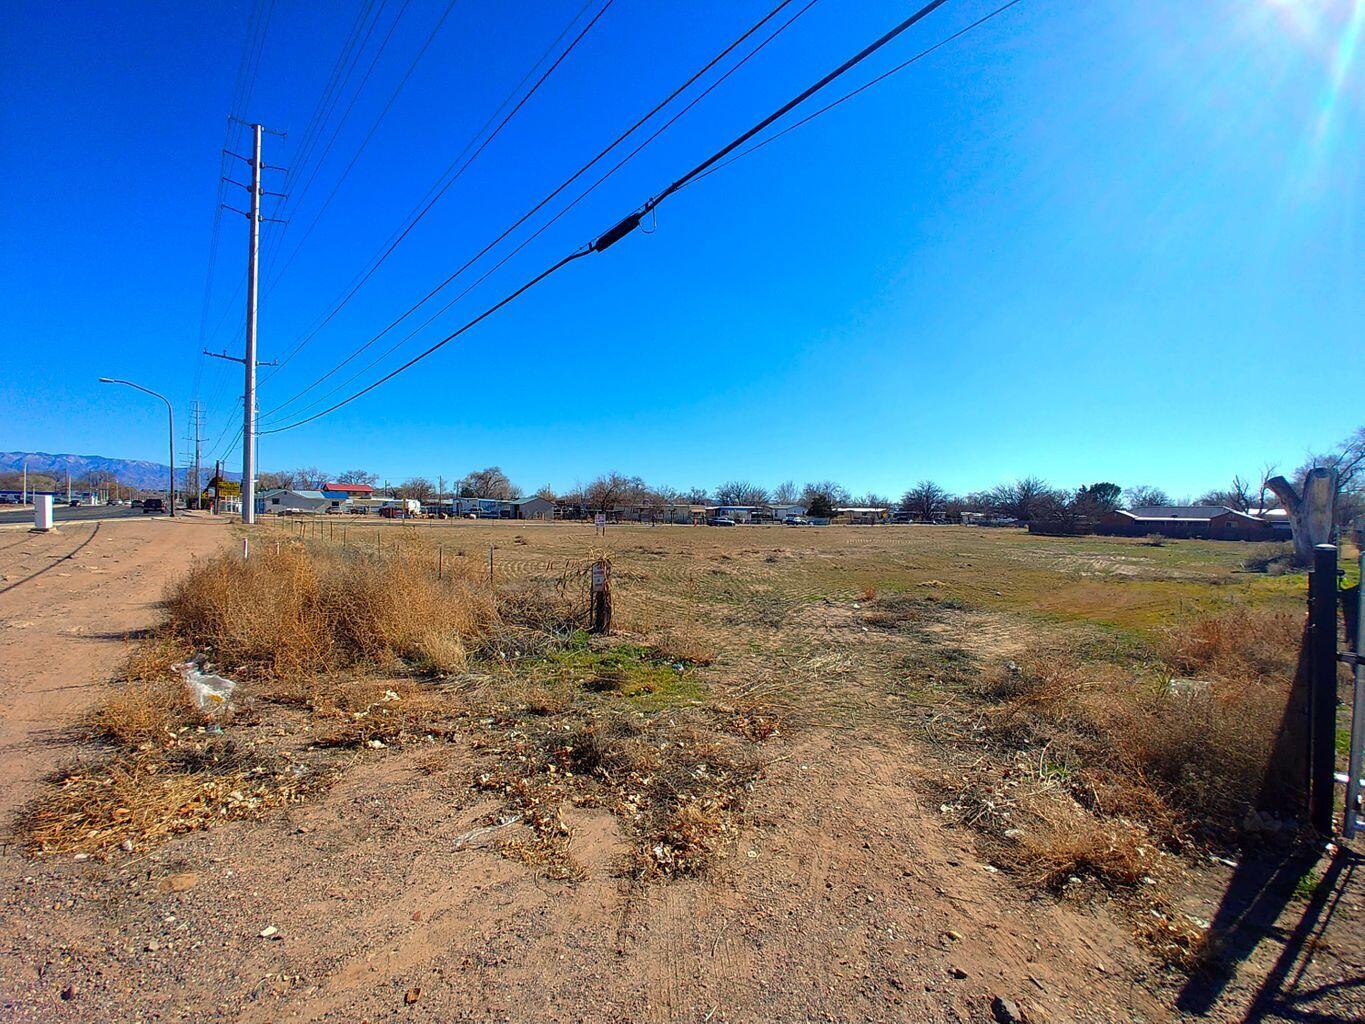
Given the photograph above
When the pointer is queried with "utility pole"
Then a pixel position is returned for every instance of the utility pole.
(195, 437)
(249, 396)
(248, 361)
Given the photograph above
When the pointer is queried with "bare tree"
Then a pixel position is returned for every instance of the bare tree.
(309, 478)
(358, 476)
(1024, 499)
(822, 497)
(741, 492)
(925, 500)
(281, 478)
(1265, 496)
(1145, 496)
(418, 487)
(614, 490)
(785, 493)
(1347, 462)
(547, 492)
(1237, 496)
(488, 483)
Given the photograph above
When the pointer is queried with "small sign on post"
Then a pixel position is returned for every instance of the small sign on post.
(601, 597)
(599, 522)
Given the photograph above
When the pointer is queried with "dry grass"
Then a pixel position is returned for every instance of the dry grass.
(1241, 645)
(682, 644)
(673, 780)
(1125, 746)
(295, 613)
(1063, 841)
(135, 801)
(149, 703)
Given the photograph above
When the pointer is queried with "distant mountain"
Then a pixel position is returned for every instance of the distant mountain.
(136, 472)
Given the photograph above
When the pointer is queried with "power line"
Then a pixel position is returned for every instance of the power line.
(413, 221)
(374, 126)
(551, 196)
(294, 200)
(244, 87)
(860, 89)
(549, 223)
(330, 91)
(629, 223)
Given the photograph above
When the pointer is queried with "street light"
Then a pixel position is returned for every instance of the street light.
(24, 500)
(170, 419)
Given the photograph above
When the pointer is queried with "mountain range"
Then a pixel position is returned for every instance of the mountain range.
(134, 472)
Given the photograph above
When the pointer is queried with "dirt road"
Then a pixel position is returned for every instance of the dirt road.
(68, 601)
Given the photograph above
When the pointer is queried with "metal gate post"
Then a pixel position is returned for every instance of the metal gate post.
(1322, 697)
(1351, 818)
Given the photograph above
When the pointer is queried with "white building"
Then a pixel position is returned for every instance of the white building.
(286, 499)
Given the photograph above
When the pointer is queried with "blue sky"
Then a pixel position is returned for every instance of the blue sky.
(1086, 241)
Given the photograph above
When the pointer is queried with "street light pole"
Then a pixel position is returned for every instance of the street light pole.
(170, 420)
(24, 500)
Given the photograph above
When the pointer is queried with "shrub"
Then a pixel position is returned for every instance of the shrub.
(285, 614)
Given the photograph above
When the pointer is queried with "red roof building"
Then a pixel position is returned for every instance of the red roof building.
(348, 490)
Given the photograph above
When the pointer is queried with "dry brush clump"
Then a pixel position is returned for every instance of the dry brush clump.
(1107, 761)
(294, 613)
(148, 704)
(674, 781)
(136, 800)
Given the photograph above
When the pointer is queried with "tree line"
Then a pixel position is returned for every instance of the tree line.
(1026, 499)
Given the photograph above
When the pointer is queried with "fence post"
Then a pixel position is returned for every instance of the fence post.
(1322, 693)
(440, 561)
(1356, 762)
(490, 565)
(601, 596)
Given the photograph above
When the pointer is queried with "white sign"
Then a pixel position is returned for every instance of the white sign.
(599, 577)
(599, 520)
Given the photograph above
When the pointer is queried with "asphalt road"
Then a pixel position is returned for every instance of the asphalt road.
(67, 514)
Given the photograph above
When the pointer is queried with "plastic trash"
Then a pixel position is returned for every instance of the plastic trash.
(211, 693)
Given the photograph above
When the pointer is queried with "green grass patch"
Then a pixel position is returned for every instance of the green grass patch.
(627, 672)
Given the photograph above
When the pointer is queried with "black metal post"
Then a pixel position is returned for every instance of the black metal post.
(1322, 698)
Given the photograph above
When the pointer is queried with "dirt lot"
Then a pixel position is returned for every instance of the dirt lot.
(852, 890)
(68, 602)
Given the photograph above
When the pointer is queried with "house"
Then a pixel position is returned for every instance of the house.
(1208, 522)
(534, 507)
(781, 512)
(860, 515)
(347, 492)
(286, 499)
(739, 513)
(1276, 517)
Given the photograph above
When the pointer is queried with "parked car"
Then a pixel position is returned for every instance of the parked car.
(74, 503)
(137, 503)
(358, 511)
(720, 521)
(152, 505)
(334, 510)
(796, 521)
(393, 512)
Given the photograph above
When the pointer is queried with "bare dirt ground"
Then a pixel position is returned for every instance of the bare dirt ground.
(68, 602)
(846, 896)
